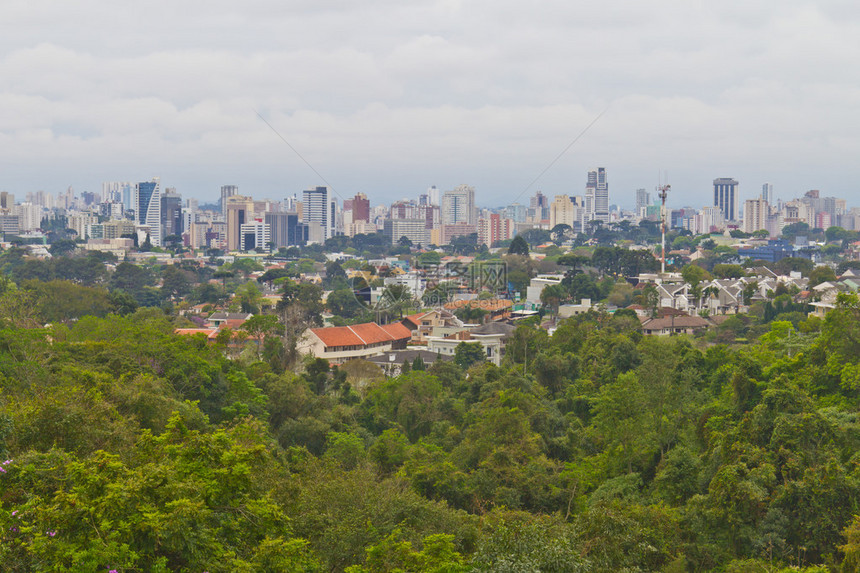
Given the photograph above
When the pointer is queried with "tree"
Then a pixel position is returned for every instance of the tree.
(821, 274)
(519, 246)
(469, 353)
(694, 274)
(553, 295)
(175, 283)
(62, 247)
(343, 302)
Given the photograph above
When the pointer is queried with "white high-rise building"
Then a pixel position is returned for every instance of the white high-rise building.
(433, 193)
(767, 193)
(320, 207)
(458, 206)
(227, 191)
(147, 208)
(597, 196)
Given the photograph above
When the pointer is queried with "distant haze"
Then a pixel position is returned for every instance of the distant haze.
(390, 97)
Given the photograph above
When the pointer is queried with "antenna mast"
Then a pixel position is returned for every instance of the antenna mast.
(663, 193)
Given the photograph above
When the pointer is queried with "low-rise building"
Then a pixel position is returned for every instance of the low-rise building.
(337, 344)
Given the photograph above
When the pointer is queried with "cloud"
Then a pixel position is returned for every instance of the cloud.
(389, 97)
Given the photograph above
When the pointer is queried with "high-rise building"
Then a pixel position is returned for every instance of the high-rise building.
(458, 206)
(597, 196)
(147, 208)
(254, 234)
(643, 199)
(726, 197)
(240, 210)
(564, 211)
(227, 191)
(171, 213)
(360, 208)
(413, 229)
(286, 229)
(539, 207)
(495, 228)
(116, 191)
(7, 200)
(767, 193)
(320, 208)
(756, 212)
(433, 196)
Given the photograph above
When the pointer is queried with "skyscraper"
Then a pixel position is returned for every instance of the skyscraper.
(239, 210)
(767, 193)
(433, 194)
(597, 196)
(458, 206)
(726, 197)
(320, 208)
(147, 208)
(360, 208)
(227, 191)
(643, 199)
(171, 213)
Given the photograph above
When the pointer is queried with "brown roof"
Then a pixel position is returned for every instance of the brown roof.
(415, 318)
(361, 334)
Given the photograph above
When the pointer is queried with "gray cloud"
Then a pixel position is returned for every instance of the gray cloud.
(390, 97)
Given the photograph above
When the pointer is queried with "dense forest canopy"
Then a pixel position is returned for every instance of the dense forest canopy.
(125, 447)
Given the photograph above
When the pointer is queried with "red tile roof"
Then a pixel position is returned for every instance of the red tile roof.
(362, 334)
(397, 331)
(416, 318)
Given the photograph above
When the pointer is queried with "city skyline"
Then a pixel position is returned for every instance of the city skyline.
(432, 93)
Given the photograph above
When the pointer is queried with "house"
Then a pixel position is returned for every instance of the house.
(496, 308)
(568, 310)
(231, 319)
(337, 344)
(537, 284)
(671, 325)
(447, 345)
(431, 323)
(392, 362)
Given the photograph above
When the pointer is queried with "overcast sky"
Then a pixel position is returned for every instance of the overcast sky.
(388, 97)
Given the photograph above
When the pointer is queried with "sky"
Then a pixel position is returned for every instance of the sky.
(388, 97)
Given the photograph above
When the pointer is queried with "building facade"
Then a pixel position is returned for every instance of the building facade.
(147, 208)
(726, 197)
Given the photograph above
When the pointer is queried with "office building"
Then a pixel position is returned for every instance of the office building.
(254, 235)
(726, 197)
(597, 196)
(286, 230)
(227, 191)
(147, 208)
(767, 193)
(171, 213)
(433, 196)
(320, 209)
(239, 210)
(413, 229)
(643, 199)
(458, 206)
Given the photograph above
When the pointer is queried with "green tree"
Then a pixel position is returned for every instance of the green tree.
(519, 246)
(467, 354)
